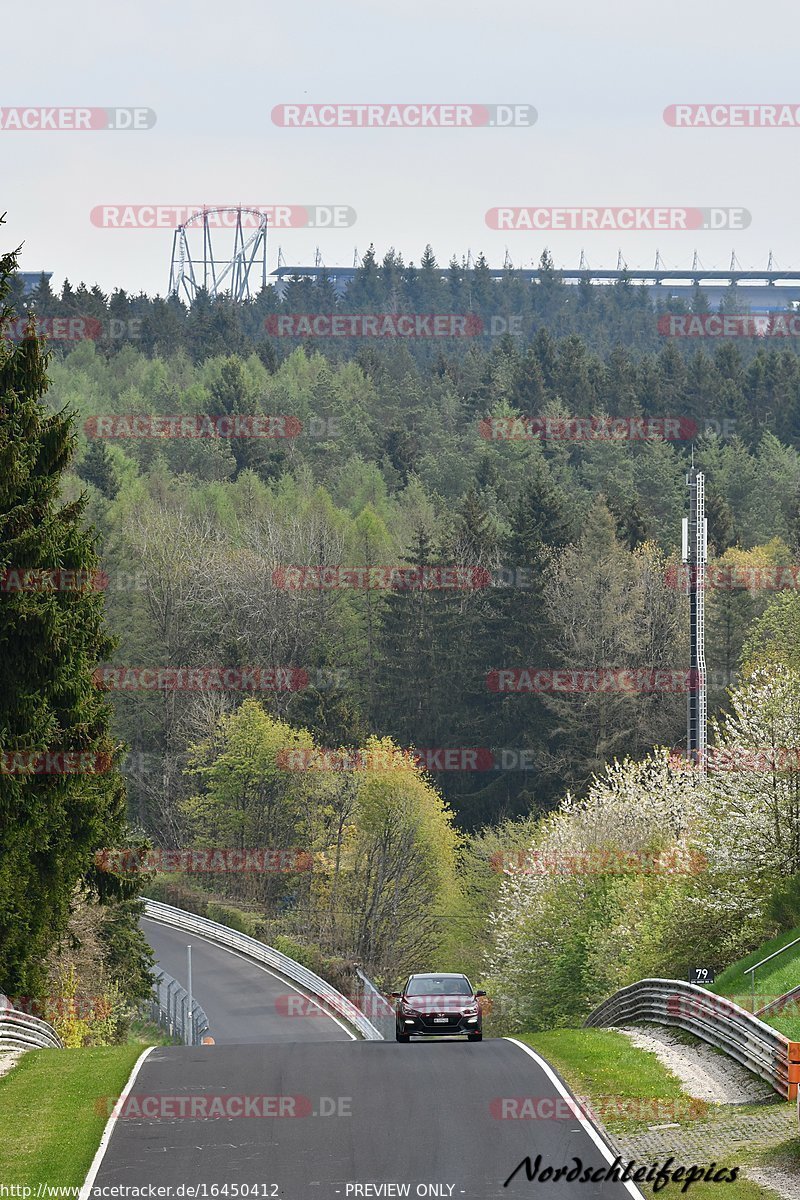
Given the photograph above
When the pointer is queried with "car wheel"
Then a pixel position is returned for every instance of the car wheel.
(475, 1037)
(401, 1037)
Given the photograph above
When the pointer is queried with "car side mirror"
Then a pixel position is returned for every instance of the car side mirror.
(481, 993)
(396, 995)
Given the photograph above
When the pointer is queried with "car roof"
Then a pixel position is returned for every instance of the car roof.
(438, 975)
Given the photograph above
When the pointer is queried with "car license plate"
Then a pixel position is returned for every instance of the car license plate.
(440, 1020)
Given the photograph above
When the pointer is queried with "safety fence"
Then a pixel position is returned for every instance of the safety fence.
(20, 1031)
(375, 1006)
(713, 1019)
(331, 1000)
(171, 1009)
(779, 1005)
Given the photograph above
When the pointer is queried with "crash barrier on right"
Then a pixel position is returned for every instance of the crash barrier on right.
(779, 1005)
(714, 1019)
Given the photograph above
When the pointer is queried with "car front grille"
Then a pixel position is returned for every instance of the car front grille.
(428, 1021)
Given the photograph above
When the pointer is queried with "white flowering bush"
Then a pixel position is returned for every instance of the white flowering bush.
(659, 866)
(564, 927)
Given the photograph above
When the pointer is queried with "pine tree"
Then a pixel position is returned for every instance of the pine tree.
(232, 394)
(610, 609)
(418, 656)
(51, 639)
(529, 391)
(97, 468)
(42, 296)
(518, 635)
(719, 519)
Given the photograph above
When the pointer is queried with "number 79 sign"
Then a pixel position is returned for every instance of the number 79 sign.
(701, 975)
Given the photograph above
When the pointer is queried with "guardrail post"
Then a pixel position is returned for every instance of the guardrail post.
(793, 1057)
(714, 1019)
(172, 1011)
(166, 998)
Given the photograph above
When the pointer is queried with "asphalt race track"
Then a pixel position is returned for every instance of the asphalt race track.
(243, 1002)
(293, 1108)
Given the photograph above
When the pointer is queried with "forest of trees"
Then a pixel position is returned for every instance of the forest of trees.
(495, 306)
(572, 547)
(578, 541)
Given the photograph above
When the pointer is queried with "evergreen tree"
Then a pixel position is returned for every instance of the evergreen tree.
(51, 639)
(97, 468)
(419, 656)
(529, 391)
(719, 521)
(519, 634)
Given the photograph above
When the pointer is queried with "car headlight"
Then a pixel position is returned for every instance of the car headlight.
(471, 1011)
(409, 1012)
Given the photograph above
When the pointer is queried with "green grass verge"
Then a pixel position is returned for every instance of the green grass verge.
(605, 1067)
(616, 1076)
(147, 1033)
(53, 1108)
(773, 979)
(786, 1155)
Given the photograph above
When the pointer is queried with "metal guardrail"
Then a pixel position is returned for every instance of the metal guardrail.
(751, 971)
(20, 1031)
(332, 1000)
(776, 1006)
(170, 1009)
(375, 1006)
(714, 1019)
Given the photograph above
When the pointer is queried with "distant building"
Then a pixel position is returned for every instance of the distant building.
(761, 291)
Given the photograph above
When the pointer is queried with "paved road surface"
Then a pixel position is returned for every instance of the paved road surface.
(409, 1115)
(243, 1002)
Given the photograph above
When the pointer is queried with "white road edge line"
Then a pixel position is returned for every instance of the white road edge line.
(252, 962)
(594, 1134)
(86, 1190)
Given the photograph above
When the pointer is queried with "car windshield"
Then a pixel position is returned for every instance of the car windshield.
(430, 985)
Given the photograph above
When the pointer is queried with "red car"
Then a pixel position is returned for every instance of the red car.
(436, 1005)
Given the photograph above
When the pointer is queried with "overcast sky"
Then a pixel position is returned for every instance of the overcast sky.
(598, 75)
